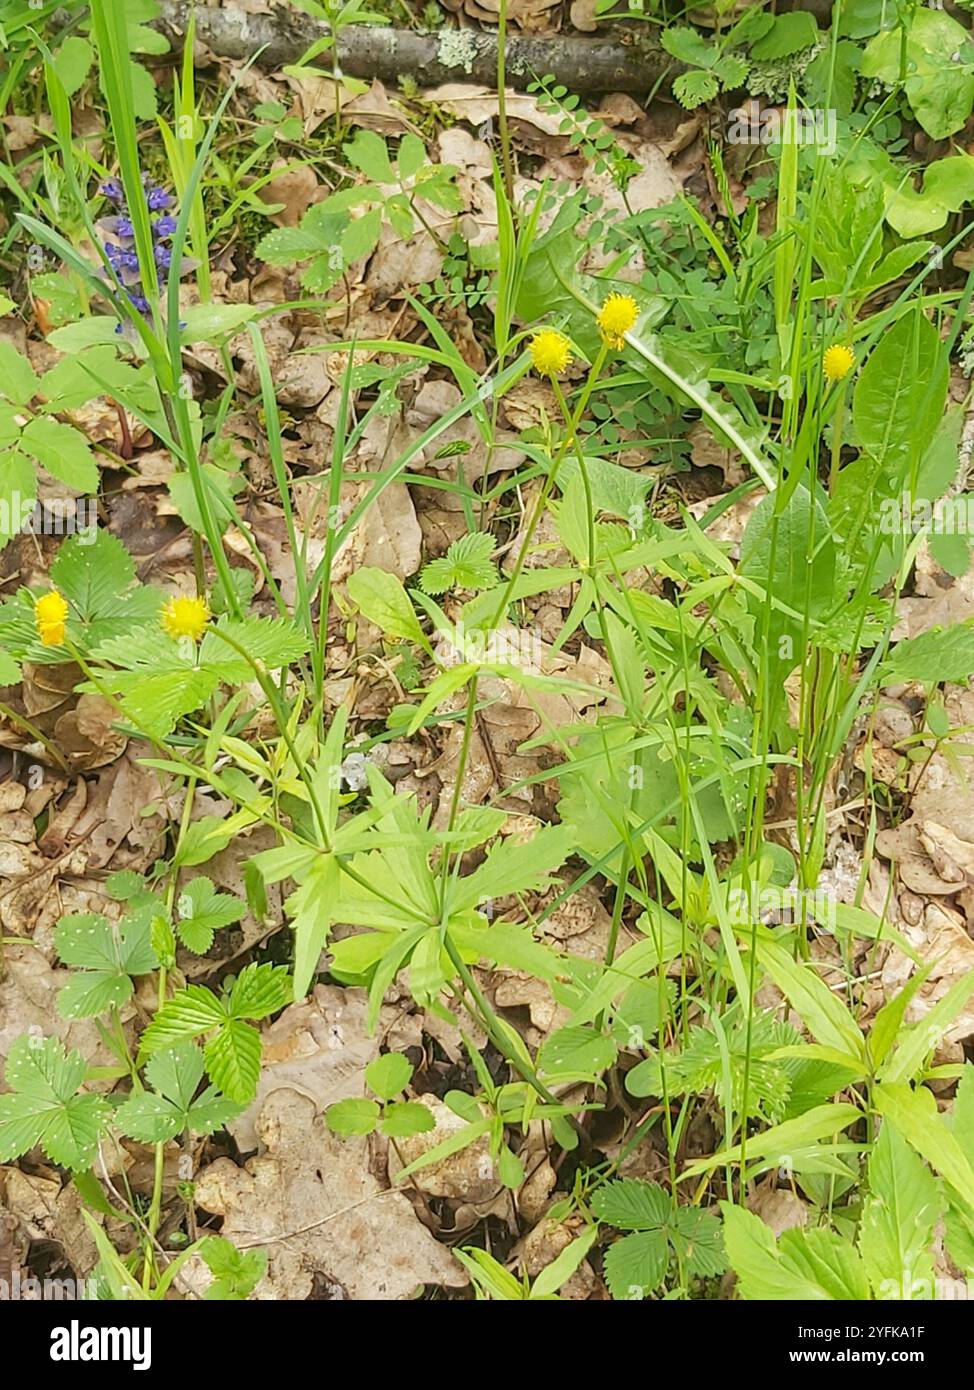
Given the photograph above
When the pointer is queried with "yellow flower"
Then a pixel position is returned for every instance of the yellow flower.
(837, 362)
(186, 617)
(551, 352)
(50, 615)
(616, 317)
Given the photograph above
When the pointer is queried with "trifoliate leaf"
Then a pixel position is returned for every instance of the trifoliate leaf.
(153, 1117)
(201, 911)
(466, 565)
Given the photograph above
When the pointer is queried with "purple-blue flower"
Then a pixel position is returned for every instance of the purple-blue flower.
(119, 240)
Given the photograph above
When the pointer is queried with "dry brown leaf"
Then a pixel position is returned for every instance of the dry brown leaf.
(319, 1048)
(939, 939)
(294, 188)
(466, 1176)
(310, 1201)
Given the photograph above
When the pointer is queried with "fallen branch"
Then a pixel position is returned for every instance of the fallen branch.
(452, 55)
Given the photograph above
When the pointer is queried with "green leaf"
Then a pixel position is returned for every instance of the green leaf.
(636, 1265)
(347, 1118)
(939, 89)
(105, 959)
(18, 493)
(154, 1117)
(236, 1273)
(387, 1076)
(274, 641)
(44, 1106)
(576, 1053)
(19, 382)
(913, 1113)
(202, 910)
(466, 565)
(258, 990)
(310, 910)
(899, 396)
(632, 1205)
(368, 152)
(823, 1013)
(898, 1219)
(211, 323)
(693, 89)
(381, 598)
(233, 1060)
(942, 654)
(403, 1118)
(92, 574)
(789, 34)
(72, 63)
(803, 1266)
(63, 451)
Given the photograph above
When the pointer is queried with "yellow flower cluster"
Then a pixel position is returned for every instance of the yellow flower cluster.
(50, 616)
(551, 352)
(837, 362)
(616, 317)
(185, 617)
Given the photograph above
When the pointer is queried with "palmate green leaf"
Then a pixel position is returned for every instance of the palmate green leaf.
(202, 910)
(509, 944)
(310, 908)
(636, 1265)
(466, 565)
(236, 1273)
(45, 1107)
(158, 681)
(105, 962)
(515, 866)
(898, 1219)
